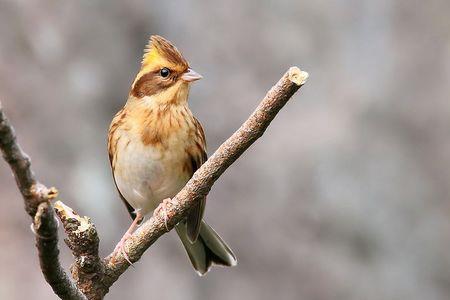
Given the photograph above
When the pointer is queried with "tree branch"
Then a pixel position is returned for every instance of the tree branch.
(82, 239)
(36, 197)
(92, 275)
(45, 227)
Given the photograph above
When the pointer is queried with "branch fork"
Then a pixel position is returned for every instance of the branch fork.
(92, 276)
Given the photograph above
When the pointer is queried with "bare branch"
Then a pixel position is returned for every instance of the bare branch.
(92, 275)
(37, 205)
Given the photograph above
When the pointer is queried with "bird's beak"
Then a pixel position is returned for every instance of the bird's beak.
(190, 75)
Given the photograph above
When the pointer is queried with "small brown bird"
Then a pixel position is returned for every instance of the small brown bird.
(156, 144)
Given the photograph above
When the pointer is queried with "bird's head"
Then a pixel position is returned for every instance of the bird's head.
(165, 74)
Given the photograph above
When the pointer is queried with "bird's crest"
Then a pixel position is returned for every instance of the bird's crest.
(159, 52)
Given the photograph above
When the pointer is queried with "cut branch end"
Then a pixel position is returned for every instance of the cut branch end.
(297, 76)
(68, 215)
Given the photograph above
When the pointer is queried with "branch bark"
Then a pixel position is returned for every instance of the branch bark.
(45, 228)
(82, 239)
(37, 204)
(94, 276)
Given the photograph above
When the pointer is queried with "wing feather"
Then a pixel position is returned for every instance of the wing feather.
(197, 157)
(112, 150)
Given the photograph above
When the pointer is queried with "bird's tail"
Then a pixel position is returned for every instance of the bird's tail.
(208, 249)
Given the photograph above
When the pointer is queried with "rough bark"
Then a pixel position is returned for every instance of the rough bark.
(37, 204)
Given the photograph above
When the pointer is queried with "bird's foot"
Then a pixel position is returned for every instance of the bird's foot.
(120, 248)
(162, 211)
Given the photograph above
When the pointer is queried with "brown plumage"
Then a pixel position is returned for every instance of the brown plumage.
(155, 145)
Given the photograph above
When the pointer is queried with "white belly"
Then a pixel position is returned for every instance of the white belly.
(145, 176)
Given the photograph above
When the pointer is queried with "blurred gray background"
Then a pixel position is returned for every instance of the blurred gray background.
(346, 196)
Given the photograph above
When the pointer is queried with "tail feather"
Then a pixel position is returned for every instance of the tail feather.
(207, 250)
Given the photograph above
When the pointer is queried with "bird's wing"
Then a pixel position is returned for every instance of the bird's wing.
(197, 157)
(112, 148)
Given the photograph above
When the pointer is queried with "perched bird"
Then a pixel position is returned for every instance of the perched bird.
(156, 144)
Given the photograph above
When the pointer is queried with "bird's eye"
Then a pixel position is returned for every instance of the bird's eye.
(165, 72)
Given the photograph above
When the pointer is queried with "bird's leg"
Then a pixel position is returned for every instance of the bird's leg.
(163, 210)
(120, 247)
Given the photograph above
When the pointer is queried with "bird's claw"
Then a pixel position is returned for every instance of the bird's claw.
(120, 248)
(163, 211)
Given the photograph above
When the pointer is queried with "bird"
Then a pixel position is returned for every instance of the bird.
(155, 145)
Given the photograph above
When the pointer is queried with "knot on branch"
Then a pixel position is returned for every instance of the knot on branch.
(36, 195)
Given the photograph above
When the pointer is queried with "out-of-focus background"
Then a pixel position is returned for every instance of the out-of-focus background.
(346, 196)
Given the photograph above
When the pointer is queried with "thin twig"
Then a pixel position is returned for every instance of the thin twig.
(37, 205)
